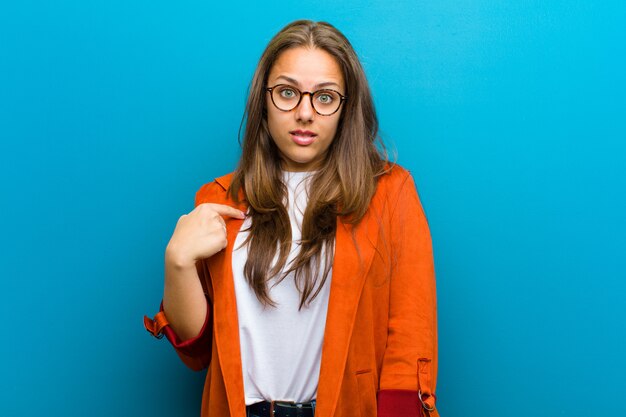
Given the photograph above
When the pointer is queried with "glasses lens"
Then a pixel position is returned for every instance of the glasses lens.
(285, 97)
(326, 101)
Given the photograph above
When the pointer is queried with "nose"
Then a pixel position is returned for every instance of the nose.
(305, 111)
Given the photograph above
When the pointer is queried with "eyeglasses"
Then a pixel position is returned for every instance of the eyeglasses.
(325, 102)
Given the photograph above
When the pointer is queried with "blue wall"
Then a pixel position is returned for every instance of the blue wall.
(510, 114)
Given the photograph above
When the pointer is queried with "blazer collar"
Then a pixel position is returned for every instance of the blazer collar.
(225, 180)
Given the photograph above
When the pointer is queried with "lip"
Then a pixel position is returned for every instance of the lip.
(303, 137)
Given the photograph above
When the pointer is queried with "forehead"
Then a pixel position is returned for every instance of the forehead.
(308, 66)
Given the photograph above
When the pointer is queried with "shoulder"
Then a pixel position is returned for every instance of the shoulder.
(215, 191)
(396, 189)
(393, 179)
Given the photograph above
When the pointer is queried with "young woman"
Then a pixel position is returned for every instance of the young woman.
(304, 280)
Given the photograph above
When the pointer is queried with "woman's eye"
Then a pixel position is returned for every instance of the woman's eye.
(287, 93)
(325, 98)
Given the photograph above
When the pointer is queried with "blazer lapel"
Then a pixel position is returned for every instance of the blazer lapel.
(350, 268)
(225, 323)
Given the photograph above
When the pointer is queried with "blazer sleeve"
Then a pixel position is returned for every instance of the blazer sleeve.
(194, 352)
(409, 371)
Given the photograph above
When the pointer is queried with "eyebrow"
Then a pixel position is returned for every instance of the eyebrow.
(316, 86)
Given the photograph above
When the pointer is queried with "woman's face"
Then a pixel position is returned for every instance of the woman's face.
(301, 135)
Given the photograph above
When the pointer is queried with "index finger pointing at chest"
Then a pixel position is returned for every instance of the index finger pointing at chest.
(224, 210)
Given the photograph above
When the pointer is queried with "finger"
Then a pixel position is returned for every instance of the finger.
(228, 211)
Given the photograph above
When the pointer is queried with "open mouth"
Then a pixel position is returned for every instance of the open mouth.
(303, 137)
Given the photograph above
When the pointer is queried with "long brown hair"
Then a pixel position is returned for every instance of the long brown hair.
(343, 185)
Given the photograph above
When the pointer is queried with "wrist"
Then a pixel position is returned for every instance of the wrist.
(173, 259)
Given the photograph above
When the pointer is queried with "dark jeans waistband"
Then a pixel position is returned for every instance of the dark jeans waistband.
(281, 409)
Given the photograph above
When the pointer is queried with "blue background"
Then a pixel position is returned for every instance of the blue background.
(510, 114)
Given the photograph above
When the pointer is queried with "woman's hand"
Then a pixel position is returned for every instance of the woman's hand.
(199, 234)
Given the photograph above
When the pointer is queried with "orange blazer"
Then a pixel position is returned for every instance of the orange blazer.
(379, 356)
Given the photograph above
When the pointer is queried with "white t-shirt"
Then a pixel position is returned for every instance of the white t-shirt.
(281, 347)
